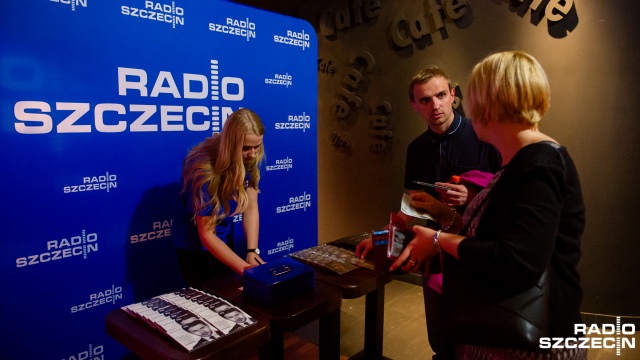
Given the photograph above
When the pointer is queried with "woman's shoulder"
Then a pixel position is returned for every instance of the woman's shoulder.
(543, 153)
(545, 147)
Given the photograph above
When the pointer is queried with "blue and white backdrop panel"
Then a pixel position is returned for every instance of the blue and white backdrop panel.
(99, 103)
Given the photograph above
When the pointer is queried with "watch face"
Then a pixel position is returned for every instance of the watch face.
(257, 251)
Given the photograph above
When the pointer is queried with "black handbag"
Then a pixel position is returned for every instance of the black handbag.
(518, 320)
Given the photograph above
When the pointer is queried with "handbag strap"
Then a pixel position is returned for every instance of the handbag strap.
(480, 205)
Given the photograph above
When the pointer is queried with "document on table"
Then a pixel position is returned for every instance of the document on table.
(406, 208)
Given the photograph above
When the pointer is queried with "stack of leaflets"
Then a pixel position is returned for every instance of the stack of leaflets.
(191, 317)
(333, 258)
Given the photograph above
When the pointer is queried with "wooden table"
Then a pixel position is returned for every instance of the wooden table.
(370, 283)
(356, 283)
(149, 343)
(322, 303)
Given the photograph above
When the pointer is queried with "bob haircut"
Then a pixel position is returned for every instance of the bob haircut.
(508, 87)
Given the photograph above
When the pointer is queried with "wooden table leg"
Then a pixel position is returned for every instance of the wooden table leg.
(374, 324)
(330, 336)
(274, 350)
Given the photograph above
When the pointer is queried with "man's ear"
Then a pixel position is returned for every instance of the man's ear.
(457, 102)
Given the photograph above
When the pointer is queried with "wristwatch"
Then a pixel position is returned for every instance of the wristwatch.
(256, 250)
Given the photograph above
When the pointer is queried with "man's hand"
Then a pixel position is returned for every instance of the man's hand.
(436, 208)
(456, 195)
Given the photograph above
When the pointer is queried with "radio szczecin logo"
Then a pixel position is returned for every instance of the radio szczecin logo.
(170, 14)
(42, 117)
(243, 28)
(295, 122)
(73, 3)
(104, 182)
(77, 246)
(606, 336)
(294, 38)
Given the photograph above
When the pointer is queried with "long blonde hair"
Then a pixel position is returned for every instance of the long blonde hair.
(218, 161)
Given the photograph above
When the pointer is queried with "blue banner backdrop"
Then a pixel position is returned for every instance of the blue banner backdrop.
(99, 103)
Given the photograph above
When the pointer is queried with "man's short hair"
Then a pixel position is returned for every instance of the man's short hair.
(427, 74)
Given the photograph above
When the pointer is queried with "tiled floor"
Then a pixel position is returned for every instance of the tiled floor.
(405, 333)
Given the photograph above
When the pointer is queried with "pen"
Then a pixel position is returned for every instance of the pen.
(432, 185)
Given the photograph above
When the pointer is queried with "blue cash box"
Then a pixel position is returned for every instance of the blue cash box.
(278, 280)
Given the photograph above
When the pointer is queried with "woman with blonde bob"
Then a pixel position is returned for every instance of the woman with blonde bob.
(220, 180)
(527, 222)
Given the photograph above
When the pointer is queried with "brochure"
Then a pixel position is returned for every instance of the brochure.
(191, 317)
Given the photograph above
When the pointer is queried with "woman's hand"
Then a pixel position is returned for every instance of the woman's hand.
(254, 259)
(418, 253)
(363, 248)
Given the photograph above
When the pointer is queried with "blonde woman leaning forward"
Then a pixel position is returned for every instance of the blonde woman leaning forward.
(528, 221)
(220, 180)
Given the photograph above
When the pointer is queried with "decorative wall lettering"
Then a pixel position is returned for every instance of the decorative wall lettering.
(562, 16)
(326, 66)
(340, 143)
(404, 32)
(346, 17)
(379, 132)
(361, 62)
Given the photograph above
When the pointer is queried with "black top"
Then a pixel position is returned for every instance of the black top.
(533, 220)
(434, 158)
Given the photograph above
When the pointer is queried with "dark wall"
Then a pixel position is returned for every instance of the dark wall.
(592, 64)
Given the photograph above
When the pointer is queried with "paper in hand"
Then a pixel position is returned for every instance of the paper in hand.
(406, 208)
